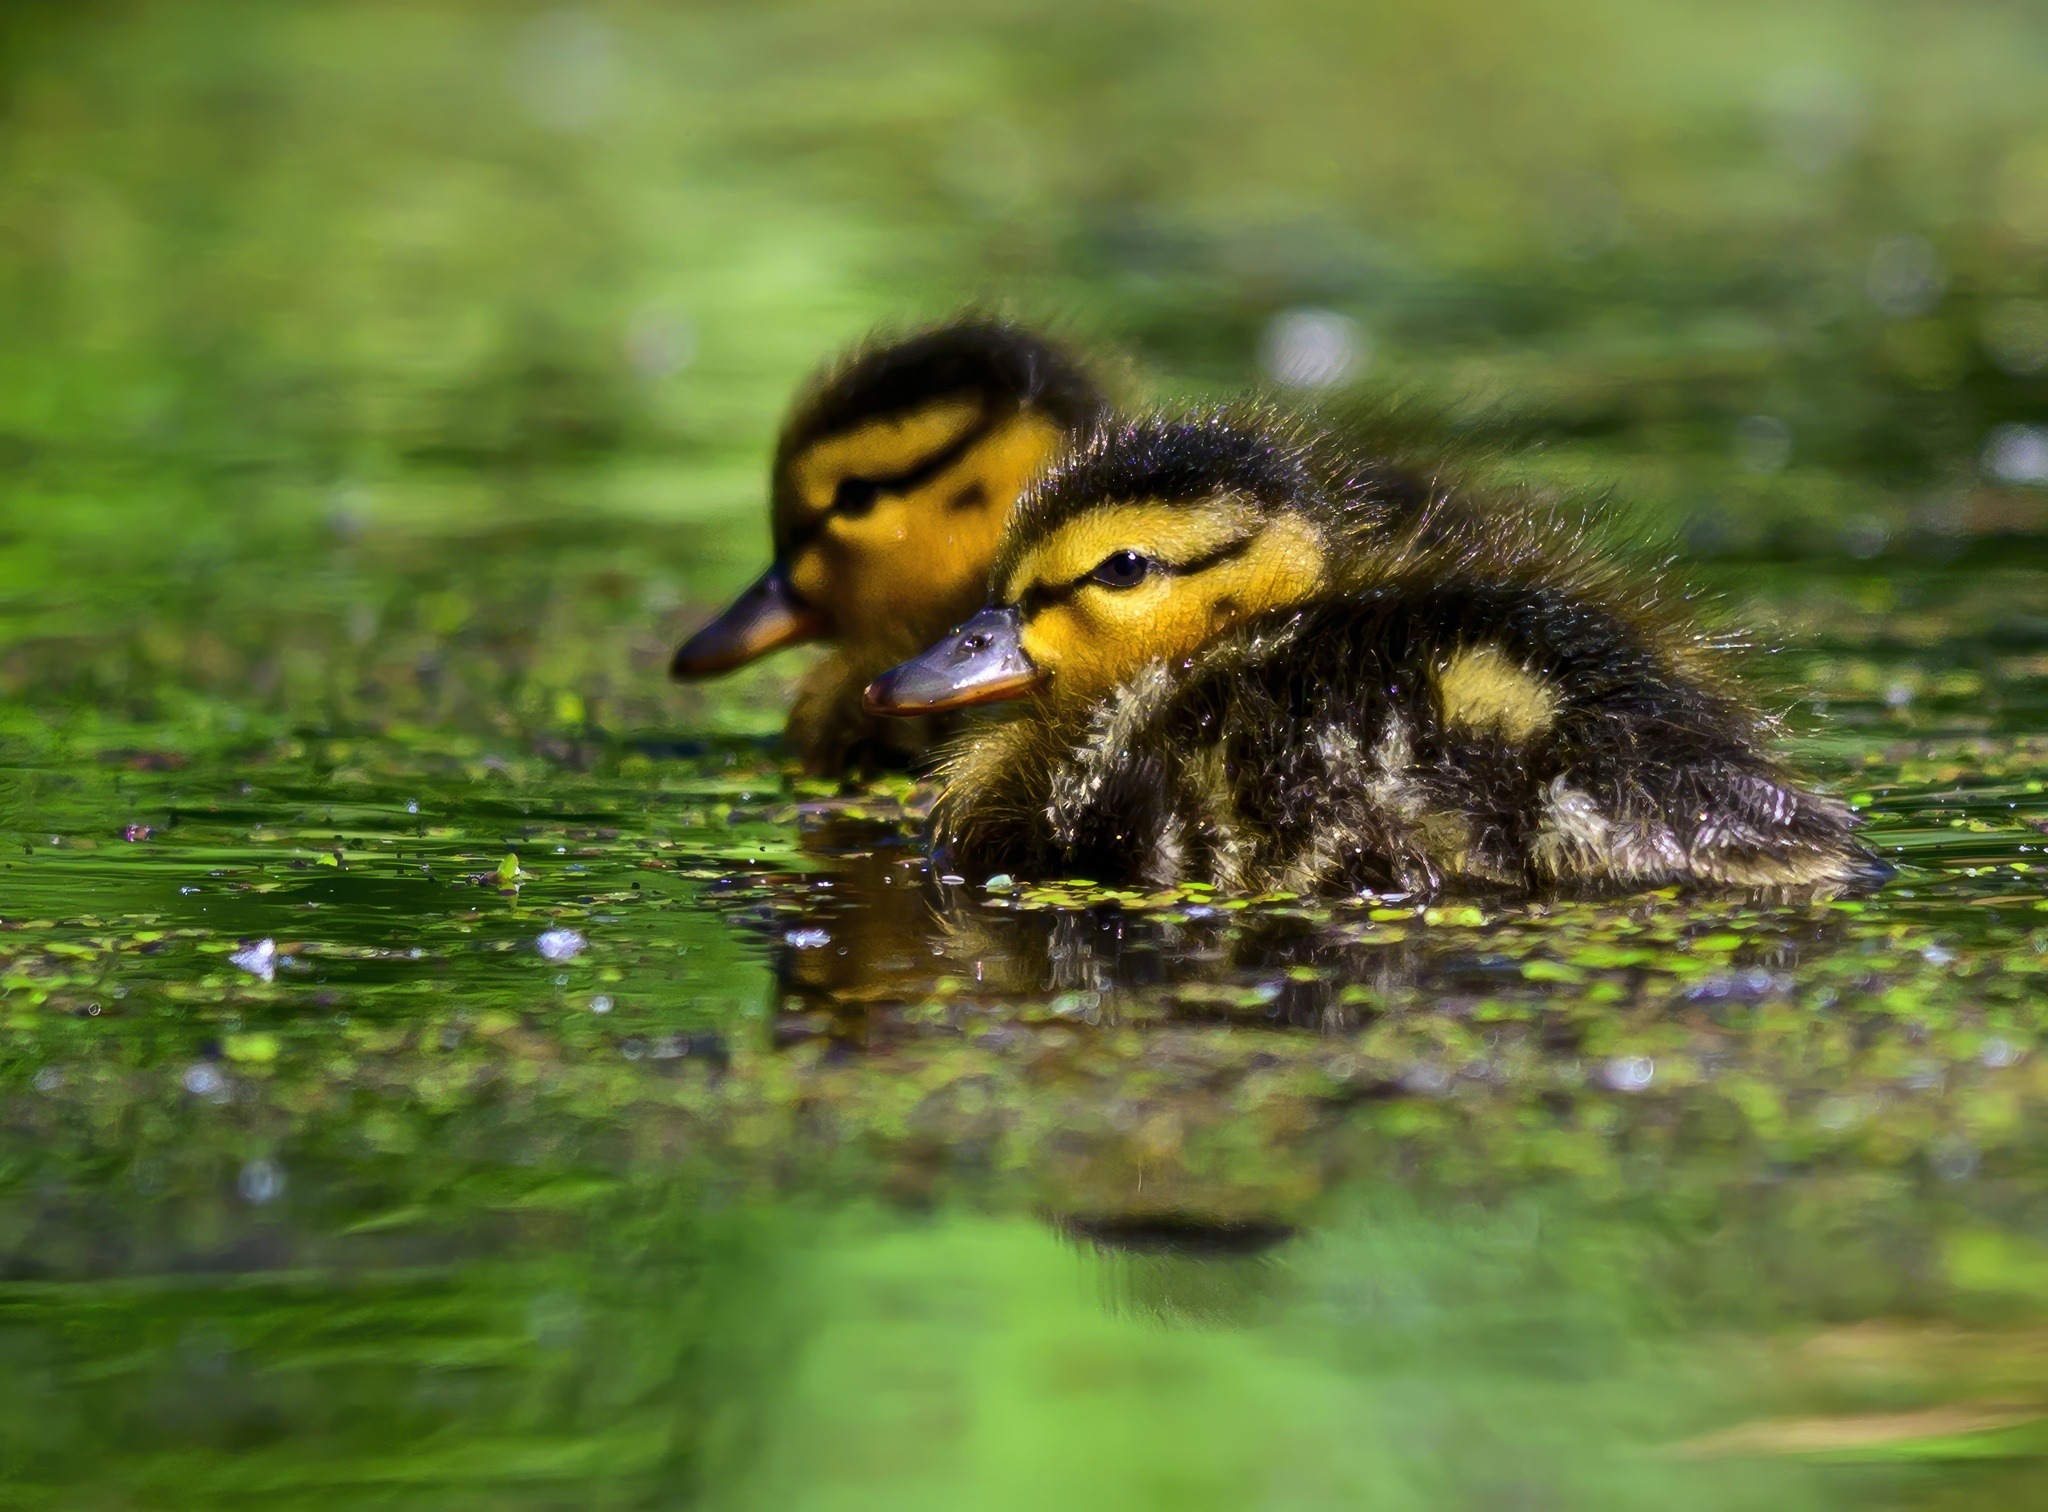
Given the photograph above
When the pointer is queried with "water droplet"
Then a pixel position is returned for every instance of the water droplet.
(204, 1080)
(560, 944)
(259, 960)
(2018, 454)
(1081, 1005)
(1954, 1159)
(1629, 1073)
(1309, 348)
(261, 1181)
(1426, 1081)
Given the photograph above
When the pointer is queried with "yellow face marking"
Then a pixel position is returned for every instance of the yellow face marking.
(1091, 638)
(880, 448)
(1164, 532)
(1483, 690)
(895, 578)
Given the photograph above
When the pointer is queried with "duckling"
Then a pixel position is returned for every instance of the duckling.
(1244, 664)
(892, 478)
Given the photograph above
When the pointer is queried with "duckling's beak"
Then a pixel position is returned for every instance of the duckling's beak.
(982, 662)
(767, 617)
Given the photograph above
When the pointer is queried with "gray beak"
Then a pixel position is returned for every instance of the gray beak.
(982, 662)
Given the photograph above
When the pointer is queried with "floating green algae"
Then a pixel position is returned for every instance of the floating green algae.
(393, 1047)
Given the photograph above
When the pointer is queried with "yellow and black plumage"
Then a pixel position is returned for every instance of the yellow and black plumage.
(892, 478)
(1249, 660)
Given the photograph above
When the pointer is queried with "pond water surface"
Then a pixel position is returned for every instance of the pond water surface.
(424, 1120)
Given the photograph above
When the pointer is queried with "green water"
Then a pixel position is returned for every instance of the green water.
(443, 1066)
(804, 1178)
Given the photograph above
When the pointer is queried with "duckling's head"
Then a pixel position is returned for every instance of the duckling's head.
(1146, 544)
(893, 477)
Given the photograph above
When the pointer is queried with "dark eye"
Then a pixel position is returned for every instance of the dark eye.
(1121, 569)
(855, 496)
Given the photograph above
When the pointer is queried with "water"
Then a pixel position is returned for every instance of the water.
(421, 1120)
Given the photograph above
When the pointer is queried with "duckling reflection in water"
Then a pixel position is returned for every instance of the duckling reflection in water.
(851, 957)
(891, 482)
(1243, 664)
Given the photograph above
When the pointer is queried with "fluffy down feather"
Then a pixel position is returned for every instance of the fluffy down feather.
(1348, 741)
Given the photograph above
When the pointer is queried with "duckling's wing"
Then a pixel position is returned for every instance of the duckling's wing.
(1492, 733)
(1566, 741)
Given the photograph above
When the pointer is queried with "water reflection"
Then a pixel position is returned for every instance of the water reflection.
(1425, 1351)
(1174, 1236)
(1188, 1071)
(808, 1178)
(881, 933)
(875, 950)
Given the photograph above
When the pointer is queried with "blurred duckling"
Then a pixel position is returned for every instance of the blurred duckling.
(892, 479)
(1244, 663)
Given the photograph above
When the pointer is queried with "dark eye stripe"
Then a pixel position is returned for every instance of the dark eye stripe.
(854, 497)
(862, 493)
(1229, 551)
(1043, 596)
(938, 461)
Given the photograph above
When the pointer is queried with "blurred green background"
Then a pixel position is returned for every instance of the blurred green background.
(418, 361)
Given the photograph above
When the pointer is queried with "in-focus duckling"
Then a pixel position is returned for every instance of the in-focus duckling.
(1244, 664)
(892, 479)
